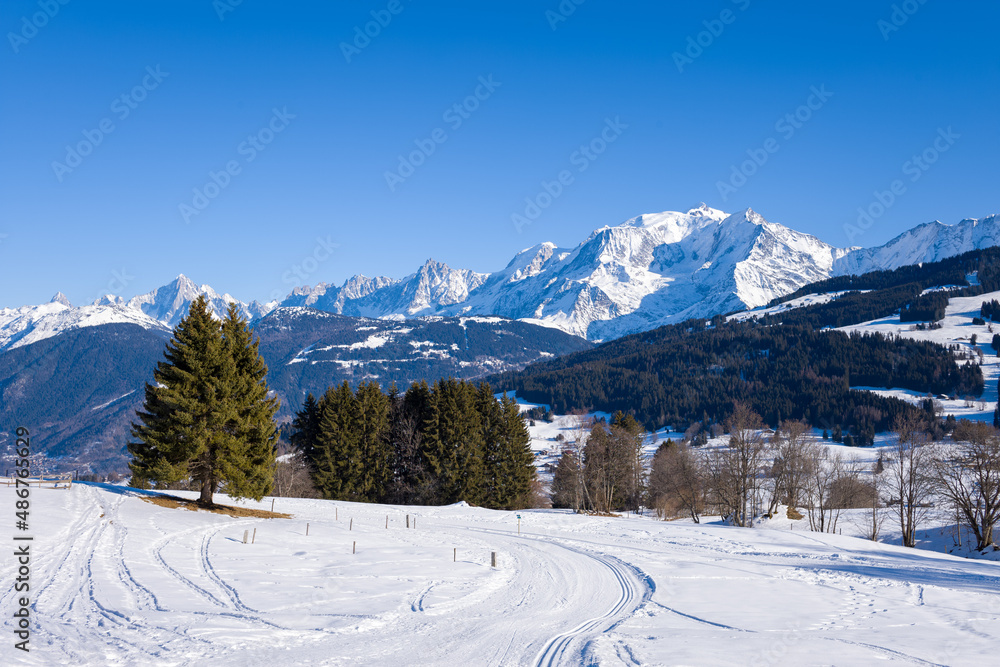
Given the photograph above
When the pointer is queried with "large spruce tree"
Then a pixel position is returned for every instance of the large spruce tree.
(338, 462)
(207, 416)
(452, 443)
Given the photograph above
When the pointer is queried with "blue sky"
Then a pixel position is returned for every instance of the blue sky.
(691, 91)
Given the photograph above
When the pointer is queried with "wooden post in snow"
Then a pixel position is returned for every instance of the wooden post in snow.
(493, 559)
(354, 549)
(351, 526)
(407, 520)
(246, 536)
(454, 555)
(254, 538)
(272, 504)
(307, 530)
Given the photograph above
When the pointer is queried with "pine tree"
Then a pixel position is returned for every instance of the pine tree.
(207, 416)
(339, 465)
(517, 461)
(373, 441)
(248, 462)
(493, 493)
(452, 443)
(306, 428)
(567, 483)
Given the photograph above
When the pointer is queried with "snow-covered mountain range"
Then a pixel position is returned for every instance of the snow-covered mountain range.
(651, 270)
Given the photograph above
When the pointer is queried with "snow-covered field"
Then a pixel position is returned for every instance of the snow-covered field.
(116, 580)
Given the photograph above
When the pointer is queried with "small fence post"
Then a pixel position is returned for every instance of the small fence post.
(307, 530)
(354, 549)
(454, 555)
(351, 526)
(272, 504)
(254, 538)
(407, 520)
(246, 536)
(493, 559)
(387, 522)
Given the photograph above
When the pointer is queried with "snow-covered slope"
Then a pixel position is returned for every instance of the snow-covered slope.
(929, 242)
(30, 324)
(162, 308)
(168, 304)
(125, 582)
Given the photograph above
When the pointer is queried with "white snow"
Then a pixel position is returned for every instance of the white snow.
(116, 580)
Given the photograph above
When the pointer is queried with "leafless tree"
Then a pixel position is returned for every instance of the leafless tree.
(292, 478)
(790, 467)
(613, 468)
(676, 481)
(734, 472)
(968, 475)
(909, 481)
(874, 516)
(822, 509)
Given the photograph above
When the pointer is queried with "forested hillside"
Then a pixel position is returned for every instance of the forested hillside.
(681, 374)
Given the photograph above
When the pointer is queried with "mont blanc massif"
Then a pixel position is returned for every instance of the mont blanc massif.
(650, 271)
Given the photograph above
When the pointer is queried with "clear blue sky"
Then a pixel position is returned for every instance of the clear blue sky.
(323, 175)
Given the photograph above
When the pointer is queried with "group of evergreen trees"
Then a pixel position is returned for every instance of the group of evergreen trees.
(990, 310)
(435, 444)
(207, 418)
(928, 307)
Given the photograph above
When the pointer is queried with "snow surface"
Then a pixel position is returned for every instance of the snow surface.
(116, 580)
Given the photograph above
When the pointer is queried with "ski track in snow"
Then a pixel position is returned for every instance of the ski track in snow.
(116, 580)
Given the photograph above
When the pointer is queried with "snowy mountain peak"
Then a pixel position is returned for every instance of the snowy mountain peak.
(654, 269)
(61, 298)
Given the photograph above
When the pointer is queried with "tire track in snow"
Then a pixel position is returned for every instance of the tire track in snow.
(635, 589)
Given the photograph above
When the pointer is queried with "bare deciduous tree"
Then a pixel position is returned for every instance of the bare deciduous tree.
(908, 477)
(676, 481)
(790, 468)
(735, 472)
(968, 475)
(292, 478)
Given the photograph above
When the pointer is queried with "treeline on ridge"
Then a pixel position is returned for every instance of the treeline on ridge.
(681, 374)
(948, 271)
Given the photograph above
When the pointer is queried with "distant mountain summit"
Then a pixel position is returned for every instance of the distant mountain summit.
(648, 271)
(651, 270)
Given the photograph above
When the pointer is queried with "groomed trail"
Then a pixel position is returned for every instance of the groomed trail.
(116, 580)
